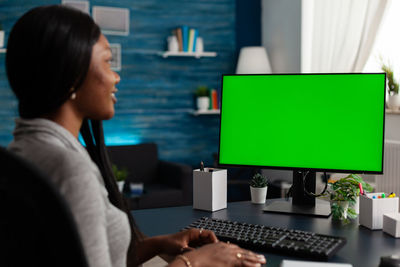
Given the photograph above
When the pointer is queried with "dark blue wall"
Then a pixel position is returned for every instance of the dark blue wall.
(155, 94)
(248, 23)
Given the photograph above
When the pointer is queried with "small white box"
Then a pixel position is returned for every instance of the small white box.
(372, 209)
(209, 189)
(391, 224)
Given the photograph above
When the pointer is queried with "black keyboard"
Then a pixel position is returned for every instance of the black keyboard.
(273, 239)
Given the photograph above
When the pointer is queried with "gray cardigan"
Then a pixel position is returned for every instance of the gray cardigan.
(104, 229)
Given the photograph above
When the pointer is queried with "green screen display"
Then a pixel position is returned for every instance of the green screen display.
(308, 121)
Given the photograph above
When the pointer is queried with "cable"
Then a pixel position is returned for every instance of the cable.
(313, 194)
(289, 192)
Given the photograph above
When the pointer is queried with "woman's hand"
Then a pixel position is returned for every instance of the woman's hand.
(221, 254)
(186, 240)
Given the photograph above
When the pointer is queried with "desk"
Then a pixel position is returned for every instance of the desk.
(363, 248)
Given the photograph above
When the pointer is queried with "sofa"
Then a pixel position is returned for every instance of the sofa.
(165, 183)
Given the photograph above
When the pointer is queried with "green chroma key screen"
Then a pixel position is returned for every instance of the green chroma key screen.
(308, 121)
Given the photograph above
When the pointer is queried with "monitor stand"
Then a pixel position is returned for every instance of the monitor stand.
(301, 203)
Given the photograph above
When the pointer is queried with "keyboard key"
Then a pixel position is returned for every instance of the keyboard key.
(273, 239)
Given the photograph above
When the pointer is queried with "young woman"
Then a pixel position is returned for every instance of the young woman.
(58, 65)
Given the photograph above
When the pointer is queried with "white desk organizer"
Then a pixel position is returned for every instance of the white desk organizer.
(372, 209)
(391, 224)
(209, 189)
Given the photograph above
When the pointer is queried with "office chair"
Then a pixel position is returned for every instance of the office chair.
(36, 225)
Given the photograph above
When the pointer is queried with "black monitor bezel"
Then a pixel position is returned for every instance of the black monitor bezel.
(299, 168)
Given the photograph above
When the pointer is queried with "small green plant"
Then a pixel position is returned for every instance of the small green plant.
(346, 190)
(393, 85)
(202, 91)
(120, 174)
(259, 181)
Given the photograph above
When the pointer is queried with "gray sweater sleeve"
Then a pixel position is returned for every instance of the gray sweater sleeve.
(103, 228)
(86, 198)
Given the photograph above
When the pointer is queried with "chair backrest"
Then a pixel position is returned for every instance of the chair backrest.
(141, 161)
(36, 225)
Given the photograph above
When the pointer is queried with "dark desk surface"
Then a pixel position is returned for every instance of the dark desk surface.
(364, 247)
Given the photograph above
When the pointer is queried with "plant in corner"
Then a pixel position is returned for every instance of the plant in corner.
(120, 176)
(343, 196)
(258, 188)
(393, 87)
(202, 97)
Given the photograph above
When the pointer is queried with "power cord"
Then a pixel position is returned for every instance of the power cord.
(289, 192)
(313, 194)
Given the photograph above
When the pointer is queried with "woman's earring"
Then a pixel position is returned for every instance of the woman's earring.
(73, 96)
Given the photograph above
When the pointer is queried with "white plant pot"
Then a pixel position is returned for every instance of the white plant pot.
(1, 39)
(344, 205)
(258, 195)
(121, 185)
(203, 103)
(394, 102)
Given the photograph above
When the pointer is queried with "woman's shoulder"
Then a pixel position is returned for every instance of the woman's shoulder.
(55, 159)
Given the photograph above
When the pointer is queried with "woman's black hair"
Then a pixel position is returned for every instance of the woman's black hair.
(48, 56)
(93, 135)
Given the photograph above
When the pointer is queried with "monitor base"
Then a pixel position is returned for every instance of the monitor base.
(320, 209)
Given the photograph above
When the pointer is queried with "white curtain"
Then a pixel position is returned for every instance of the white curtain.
(338, 35)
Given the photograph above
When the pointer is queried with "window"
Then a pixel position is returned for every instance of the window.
(387, 44)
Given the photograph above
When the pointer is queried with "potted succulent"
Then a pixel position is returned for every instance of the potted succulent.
(393, 88)
(258, 189)
(344, 194)
(120, 176)
(202, 98)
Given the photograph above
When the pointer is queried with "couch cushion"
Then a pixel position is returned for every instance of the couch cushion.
(140, 160)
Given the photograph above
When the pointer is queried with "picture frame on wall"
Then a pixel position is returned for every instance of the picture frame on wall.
(80, 5)
(112, 20)
(116, 57)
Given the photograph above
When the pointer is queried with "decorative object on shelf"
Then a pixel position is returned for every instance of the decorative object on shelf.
(343, 196)
(120, 176)
(258, 188)
(1, 36)
(173, 44)
(393, 88)
(202, 98)
(199, 45)
(253, 60)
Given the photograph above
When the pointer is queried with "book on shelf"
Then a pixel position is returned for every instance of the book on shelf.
(191, 37)
(213, 99)
(178, 33)
(192, 40)
(187, 38)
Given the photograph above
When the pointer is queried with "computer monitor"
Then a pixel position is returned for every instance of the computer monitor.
(306, 123)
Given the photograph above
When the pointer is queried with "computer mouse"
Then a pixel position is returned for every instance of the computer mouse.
(390, 261)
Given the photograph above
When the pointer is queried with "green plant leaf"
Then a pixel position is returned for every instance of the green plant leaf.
(120, 174)
(259, 181)
(202, 91)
